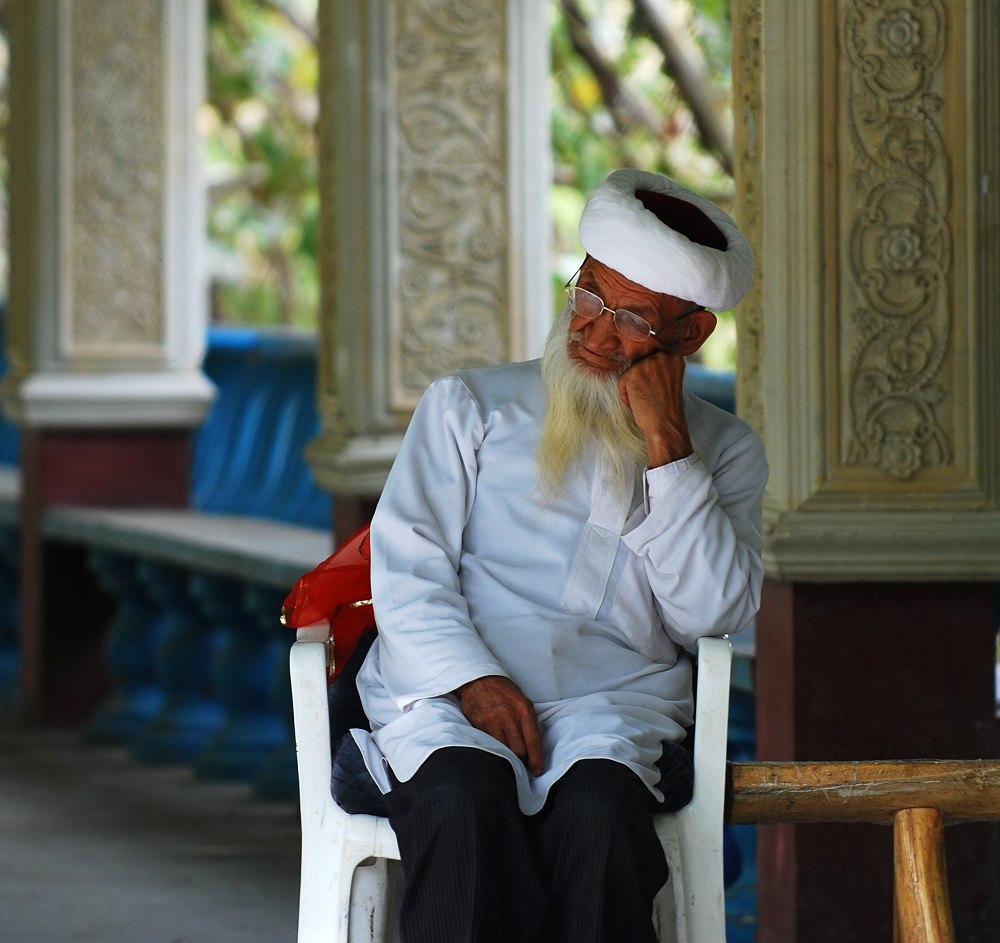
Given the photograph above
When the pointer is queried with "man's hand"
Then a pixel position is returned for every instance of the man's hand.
(652, 389)
(496, 705)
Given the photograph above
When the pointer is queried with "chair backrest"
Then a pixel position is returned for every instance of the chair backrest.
(350, 881)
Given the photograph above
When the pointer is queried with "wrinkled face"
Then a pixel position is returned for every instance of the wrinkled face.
(596, 345)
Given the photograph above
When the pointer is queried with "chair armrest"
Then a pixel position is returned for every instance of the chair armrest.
(307, 665)
(317, 632)
(711, 728)
(693, 838)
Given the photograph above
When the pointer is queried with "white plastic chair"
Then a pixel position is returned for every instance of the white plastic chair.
(351, 878)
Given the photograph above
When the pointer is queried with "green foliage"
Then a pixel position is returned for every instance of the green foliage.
(260, 149)
(588, 141)
(261, 144)
(259, 135)
(4, 116)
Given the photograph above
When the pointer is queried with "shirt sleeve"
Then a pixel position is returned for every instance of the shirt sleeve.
(701, 540)
(428, 645)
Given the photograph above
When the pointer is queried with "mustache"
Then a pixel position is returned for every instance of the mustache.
(576, 337)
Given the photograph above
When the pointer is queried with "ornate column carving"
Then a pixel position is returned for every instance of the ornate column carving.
(748, 171)
(434, 174)
(107, 310)
(870, 184)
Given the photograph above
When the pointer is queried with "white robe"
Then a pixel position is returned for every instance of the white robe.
(585, 602)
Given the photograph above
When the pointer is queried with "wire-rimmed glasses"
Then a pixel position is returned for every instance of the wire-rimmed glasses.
(629, 324)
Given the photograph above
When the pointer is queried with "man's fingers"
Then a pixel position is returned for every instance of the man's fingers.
(510, 735)
(496, 706)
(534, 755)
(623, 391)
(525, 742)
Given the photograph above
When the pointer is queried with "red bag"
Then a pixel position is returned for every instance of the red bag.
(338, 591)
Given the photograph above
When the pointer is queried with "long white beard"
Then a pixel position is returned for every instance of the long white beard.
(584, 408)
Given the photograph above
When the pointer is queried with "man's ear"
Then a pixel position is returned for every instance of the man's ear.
(694, 330)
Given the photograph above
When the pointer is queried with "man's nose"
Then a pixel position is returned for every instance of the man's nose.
(601, 333)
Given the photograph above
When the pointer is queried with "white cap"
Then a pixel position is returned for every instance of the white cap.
(618, 230)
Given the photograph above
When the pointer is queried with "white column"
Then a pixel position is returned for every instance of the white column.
(870, 182)
(107, 299)
(434, 172)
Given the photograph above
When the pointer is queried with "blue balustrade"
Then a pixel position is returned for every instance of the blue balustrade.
(278, 779)
(191, 715)
(219, 655)
(130, 651)
(247, 657)
(10, 450)
(248, 454)
(10, 433)
(248, 460)
(10, 635)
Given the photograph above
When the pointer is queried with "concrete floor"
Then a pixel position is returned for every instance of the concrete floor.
(95, 847)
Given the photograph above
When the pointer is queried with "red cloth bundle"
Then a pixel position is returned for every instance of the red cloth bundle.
(338, 591)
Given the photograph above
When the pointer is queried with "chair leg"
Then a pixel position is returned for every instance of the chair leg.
(922, 906)
(375, 897)
(665, 915)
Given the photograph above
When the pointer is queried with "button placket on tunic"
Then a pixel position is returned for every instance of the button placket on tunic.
(599, 544)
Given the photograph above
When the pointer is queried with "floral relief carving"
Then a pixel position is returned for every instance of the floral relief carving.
(748, 28)
(898, 239)
(118, 176)
(899, 33)
(451, 155)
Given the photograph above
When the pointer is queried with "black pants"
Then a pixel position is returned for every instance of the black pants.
(585, 868)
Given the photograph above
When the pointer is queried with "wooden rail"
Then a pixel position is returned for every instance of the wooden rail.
(964, 790)
(918, 797)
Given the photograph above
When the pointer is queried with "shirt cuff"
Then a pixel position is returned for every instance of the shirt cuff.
(656, 482)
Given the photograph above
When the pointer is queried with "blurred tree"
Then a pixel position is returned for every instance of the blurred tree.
(642, 83)
(259, 126)
(4, 113)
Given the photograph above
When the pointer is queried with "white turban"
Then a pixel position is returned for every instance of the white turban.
(619, 231)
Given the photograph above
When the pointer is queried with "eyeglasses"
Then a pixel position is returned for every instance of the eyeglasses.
(629, 324)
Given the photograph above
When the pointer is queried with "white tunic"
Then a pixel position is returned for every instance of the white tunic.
(585, 602)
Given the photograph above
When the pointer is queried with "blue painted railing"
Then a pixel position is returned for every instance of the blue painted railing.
(10, 452)
(10, 434)
(248, 453)
(220, 657)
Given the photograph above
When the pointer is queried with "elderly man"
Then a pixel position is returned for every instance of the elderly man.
(551, 536)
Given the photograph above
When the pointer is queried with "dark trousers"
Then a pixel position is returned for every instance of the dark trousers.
(585, 868)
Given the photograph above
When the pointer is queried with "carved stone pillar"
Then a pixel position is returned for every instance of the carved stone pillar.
(107, 307)
(106, 321)
(869, 179)
(434, 169)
